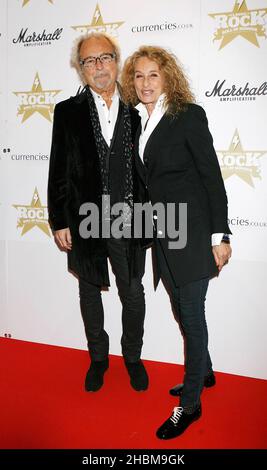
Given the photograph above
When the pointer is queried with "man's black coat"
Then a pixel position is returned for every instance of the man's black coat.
(74, 178)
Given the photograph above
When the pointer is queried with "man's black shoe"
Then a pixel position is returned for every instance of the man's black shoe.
(209, 381)
(177, 423)
(138, 375)
(95, 375)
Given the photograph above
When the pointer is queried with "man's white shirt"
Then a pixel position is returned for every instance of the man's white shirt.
(107, 116)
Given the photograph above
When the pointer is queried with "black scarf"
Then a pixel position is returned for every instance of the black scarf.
(102, 149)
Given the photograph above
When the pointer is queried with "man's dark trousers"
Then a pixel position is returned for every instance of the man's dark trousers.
(133, 306)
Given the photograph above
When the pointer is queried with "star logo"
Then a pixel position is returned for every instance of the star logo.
(98, 26)
(36, 101)
(237, 161)
(33, 215)
(250, 24)
(27, 1)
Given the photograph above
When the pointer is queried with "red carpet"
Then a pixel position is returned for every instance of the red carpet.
(43, 405)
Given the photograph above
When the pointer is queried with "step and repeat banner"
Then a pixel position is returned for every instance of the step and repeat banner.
(222, 45)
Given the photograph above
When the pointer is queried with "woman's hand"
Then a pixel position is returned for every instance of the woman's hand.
(222, 253)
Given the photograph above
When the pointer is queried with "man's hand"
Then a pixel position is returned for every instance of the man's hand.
(222, 253)
(63, 238)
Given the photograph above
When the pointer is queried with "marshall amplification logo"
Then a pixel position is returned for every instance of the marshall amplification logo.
(36, 101)
(27, 1)
(33, 215)
(250, 24)
(240, 162)
(97, 25)
(235, 92)
(37, 39)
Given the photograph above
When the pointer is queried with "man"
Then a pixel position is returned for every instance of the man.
(91, 156)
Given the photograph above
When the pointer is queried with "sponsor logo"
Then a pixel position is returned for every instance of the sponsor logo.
(241, 222)
(98, 25)
(37, 39)
(33, 157)
(33, 215)
(36, 100)
(26, 157)
(237, 161)
(235, 92)
(249, 24)
(161, 27)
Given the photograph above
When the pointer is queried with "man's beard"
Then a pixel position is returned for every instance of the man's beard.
(102, 80)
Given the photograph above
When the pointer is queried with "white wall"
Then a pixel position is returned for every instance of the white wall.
(38, 297)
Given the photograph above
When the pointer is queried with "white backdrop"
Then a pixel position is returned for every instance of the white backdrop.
(223, 43)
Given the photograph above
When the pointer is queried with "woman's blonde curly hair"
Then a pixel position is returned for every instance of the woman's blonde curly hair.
(176, 86)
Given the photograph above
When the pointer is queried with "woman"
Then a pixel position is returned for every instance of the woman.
(178, 164)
